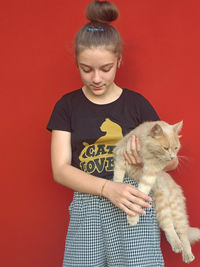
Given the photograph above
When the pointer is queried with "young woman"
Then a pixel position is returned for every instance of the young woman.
(85, 125)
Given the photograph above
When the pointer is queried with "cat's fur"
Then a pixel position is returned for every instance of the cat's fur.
(159, 145)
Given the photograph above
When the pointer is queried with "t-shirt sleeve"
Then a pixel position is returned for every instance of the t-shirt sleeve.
(60, 117)
(146, 110)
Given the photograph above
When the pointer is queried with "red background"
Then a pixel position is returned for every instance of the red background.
(161, 61)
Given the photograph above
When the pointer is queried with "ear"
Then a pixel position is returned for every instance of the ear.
(119, 61)
(177, 127)
(156, 131)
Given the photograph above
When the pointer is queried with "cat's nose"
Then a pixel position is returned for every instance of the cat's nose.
(172, 157)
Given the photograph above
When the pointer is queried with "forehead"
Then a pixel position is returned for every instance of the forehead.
(96, 56)
(170, 138)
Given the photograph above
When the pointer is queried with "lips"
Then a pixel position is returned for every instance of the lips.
(97, 87)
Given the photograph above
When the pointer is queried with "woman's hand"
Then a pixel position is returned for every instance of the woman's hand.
(171, 165)
(132, 155)
(126, 197)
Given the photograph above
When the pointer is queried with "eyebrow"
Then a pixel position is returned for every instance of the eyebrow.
(103, 66)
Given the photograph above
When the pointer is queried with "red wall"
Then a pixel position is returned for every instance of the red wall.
(161, 60)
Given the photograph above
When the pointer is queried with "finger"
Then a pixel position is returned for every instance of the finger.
(130, 159)
(126, 157)
(136, 156)
(139, 201)
(134, 148)
(126, 210)
(133, 142)
(134, 208)
(138, 146)
(137, 193)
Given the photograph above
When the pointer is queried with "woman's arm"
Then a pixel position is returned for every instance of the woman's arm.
(66, 174)
(122, 195)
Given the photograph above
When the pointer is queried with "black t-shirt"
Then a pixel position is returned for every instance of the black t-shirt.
(96, 128)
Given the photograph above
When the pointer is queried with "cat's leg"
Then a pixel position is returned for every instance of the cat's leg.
(187, 254)
(146, 183)
(164, 217)
(119, 171)
(133, 220)
(180, 221)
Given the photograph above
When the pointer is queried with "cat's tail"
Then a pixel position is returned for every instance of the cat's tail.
(193, 234)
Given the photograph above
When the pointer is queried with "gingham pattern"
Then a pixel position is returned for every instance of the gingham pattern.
(99, 236)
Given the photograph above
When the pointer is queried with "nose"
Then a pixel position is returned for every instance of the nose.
(173, 156)
(96, 78)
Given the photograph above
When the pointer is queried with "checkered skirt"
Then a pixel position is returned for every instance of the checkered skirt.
(99, 235)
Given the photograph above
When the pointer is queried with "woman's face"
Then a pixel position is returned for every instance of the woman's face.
(97, 68)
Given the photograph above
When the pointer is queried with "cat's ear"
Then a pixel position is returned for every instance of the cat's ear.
(85, 144)
(156, 131)
(177, 127)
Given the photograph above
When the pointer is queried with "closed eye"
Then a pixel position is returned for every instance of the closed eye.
(166, 148)
(106, 69)
(86, 70)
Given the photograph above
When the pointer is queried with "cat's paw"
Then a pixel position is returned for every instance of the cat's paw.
(133, 220)
(175, 242)
(188, 257)
(177, 246)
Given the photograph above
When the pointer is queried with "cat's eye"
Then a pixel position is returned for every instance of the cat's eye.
(176, 148)
(166, 148)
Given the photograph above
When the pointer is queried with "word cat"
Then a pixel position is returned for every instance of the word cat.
(159, 145)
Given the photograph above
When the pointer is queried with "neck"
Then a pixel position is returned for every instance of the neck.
(111, 94)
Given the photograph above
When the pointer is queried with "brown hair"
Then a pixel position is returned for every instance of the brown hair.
(99, 32)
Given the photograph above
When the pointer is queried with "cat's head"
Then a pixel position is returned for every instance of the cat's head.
(163, 140)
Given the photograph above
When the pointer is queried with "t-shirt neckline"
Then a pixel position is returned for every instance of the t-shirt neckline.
(103, 105)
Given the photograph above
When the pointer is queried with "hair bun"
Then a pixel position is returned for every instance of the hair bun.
(102, 12)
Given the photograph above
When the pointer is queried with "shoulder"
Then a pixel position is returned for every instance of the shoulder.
(69, 98)
(132, 93)
(141, 106)
(61, 116)
(134, 96)
(71, 95)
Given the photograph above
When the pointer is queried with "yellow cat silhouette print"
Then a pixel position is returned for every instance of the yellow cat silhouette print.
(99, 156)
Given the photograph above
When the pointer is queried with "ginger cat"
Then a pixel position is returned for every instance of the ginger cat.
(159, 145)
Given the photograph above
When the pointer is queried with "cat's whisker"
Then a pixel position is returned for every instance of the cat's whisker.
(183, 157)
(183, 160)
(180, 161)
